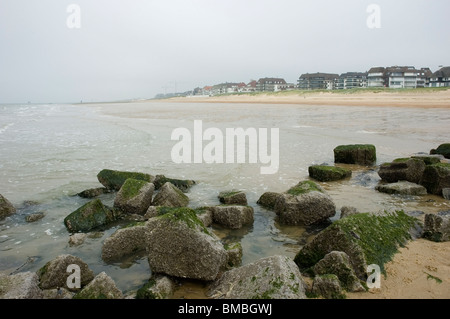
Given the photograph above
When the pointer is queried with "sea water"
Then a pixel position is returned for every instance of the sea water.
(51, 152)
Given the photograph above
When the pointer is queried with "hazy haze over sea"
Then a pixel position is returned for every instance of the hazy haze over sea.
(51, 152)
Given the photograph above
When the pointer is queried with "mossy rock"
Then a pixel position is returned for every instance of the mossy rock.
(170, 196)
(182, 184)
(6, 208)
(327, 286)
(304, 187)
(89, 216)
(428, 160)
(233, 198)
(268, 200)
(361, 154)
(93, 192)
(113, 180)
(436, 177)
(158, 287)
(101, 287)
(443, 149)
(324, 173)
(366, 238)
(403, 169)
(437, 227)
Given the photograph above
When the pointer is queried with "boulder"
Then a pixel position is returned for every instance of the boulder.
(304, 204)
(54, 273)
(178, 244)
(170, 196)
(34, 217)
(348, 210)
(134, 197)
(233, 198)
(327, 286)
(429, 159)
(338, 263)
(93, 192)
(437, 227)
(183, 184)
(275, 277)
(443, 149)
(204, 214)
(60, 293)
(269, 199)
(402, 188)
(23, 285)
(158, 287)
(89, 216)
(233, 217)
(234, 252)
(6, 208)
(436, 177)
(113, 180)
(402, 169)
(366, 238)
(361, 154)
(124, 242)
(324, 173)
(77, 239)
(446, 193)
(101, 287)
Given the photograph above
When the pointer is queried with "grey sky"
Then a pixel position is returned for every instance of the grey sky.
(138, 48)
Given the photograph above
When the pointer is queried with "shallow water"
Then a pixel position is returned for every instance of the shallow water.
(51, 152)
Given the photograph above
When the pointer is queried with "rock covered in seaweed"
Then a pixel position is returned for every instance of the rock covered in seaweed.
(101, 287)
(54, 273)
(327, 286)
(233, 198)
(134, 197)
(158, 287)
(113, 180)
(304, 204)
(338, 263)
(403, 169)
(183, 184)
(269, 199)
(6, 208)
(170, 196)
(124, 242)
(437, 227)
(178, 244)
(365, 238)
(402, 188)
(443, 149)
(90, 216)
(233, 217)
(361, 154)
(275, 277)
(436, 177)
(325, 173)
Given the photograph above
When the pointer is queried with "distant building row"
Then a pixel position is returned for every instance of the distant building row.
(378, 77)
(392, 77)
(264, 84)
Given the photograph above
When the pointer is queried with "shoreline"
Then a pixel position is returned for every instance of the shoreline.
(416, 98)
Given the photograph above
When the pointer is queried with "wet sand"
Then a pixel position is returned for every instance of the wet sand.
(421, 270)
(415, 98)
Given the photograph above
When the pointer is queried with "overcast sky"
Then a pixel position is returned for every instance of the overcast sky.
(137, 48)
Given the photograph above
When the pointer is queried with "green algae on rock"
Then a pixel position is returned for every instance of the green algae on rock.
(361, 154)
(366, 238)
(325, 173)
(114, 180)
(89, 216)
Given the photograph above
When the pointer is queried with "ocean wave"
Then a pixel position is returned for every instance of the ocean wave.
(5, 127)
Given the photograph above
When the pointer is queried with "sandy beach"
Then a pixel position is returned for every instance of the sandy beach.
(424, 98)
